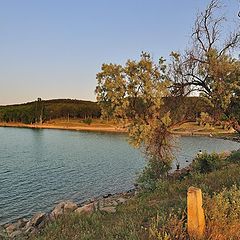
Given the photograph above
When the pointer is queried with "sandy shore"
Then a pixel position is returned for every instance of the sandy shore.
(64, 127)
(111, 129)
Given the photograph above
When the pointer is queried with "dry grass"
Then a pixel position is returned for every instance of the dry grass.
(192, 128)
(161, 214)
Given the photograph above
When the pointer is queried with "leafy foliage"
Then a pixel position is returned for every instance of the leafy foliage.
(204, 119)
(205, 162)
(234, 157)
(133, 95)
(209, 65)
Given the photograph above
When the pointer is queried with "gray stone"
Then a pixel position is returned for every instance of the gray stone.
(108, 209)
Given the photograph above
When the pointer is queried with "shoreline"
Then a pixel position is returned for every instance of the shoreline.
(61, 127)
(111, 129)
(32, 225)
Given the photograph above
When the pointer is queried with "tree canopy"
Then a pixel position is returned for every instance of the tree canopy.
(209, 66)
(133, 95)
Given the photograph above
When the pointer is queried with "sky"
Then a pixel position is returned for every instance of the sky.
(54, 48)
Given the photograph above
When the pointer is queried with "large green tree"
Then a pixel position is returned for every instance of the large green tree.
(208, 66)
(133, 95)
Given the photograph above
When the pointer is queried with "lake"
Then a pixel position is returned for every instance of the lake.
(39, 168)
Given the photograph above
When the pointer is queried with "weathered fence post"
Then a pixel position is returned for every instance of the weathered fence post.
(195, 213)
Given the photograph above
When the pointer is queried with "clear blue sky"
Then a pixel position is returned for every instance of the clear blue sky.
(54, 48)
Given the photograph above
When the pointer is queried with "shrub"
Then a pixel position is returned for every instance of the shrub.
(168, 227)
(234, 157)
(205, 162)
(87, 121)
(154, 171)
(204, 120)
(223, 215)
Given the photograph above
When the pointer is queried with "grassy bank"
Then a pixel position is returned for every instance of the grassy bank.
(161, 213)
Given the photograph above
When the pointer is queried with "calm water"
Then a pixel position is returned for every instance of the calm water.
(39, 168)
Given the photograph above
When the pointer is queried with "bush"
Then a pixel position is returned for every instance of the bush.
(223, 215)
(205, 162)
(167, 227)
(154, 171)
(234, 157)
(204, 120)
(87, 121)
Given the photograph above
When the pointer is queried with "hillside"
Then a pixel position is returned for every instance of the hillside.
(181, 109)
(31, 112)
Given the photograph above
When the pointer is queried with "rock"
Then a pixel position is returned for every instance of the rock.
(114, 203)
(100, 203)
(108, 209)
(121, 200)
(15, 234)
(63, 207)
(37, 220)
(30, 230)
(108, 203)
(58, 210)
(10, 228)
(70, 206)
(107, 195)
(87, 209)
(21, 223)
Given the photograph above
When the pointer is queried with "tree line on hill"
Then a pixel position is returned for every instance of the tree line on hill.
(45, 110)
(181, 109)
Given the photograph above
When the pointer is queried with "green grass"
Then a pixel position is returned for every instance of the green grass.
(160, 214)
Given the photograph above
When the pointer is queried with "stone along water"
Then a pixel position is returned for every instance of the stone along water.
(39, 168)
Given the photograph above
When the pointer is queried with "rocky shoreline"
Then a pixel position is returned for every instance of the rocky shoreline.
(234, 138)
(24, 228)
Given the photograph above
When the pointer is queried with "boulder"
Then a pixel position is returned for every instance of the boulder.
(108, 209)
(87, 209)
(63, 207)
(37, 220)
(70, 206)
(10, 228)
(58, 210)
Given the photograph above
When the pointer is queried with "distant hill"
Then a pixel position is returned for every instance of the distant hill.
(181, 109)
(43, 110)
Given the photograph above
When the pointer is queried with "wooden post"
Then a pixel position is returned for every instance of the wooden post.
(195, 213)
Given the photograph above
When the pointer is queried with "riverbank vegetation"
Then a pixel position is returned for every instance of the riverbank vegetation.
(160, 213)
